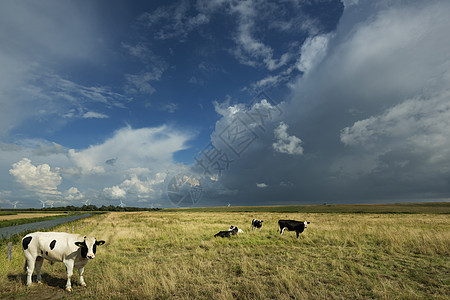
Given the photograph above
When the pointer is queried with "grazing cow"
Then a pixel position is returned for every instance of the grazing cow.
(232, 228)
(74, 250)
(256, 224)
(291, 225)
(227, 233)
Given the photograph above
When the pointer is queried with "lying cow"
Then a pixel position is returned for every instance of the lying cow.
(291, 225)
(74, 250)
(232, 228)
(256, 224)
(232, 231)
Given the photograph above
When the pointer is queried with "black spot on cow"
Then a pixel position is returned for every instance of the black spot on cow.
(42, 252)
(83, 248)
(46, 253)
(52, 244)
(25, 242)
(84, 251)
(94, 249)
(223, 234)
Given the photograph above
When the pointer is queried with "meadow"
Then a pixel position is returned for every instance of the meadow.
(173, 255)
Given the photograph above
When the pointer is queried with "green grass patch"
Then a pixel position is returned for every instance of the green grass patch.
(7, 213)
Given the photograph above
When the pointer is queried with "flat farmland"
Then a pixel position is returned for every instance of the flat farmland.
(27, 216)
(173, 255)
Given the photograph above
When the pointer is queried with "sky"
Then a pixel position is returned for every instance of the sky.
(215, 103)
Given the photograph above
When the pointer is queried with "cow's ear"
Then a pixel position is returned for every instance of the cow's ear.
(308, 222)
(99, 243)
(79, 244)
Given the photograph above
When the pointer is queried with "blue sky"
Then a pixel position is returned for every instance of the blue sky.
(179, 103)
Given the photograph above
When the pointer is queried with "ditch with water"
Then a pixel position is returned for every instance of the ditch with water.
(7, 232)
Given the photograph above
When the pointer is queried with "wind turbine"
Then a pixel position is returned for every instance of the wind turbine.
(15, 204)
(87, 202)
(122, 204)
(51, 203)
(43, 203)
(229, 204)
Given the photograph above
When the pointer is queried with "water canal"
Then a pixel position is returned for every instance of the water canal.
(7, 232)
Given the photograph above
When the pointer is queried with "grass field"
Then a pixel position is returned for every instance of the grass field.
(173, 255)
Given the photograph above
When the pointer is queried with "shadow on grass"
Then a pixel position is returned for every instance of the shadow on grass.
(47, 279)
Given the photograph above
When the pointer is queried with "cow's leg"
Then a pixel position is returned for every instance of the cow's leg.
(282, 230)
(69, 268)
(29, 264)
(298, 233)
(80, 271)
(38, 266)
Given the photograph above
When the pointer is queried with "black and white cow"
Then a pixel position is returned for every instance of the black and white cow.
(256, 224)
(227, 233)
(233, 228)
(291, 225)
(74, 250)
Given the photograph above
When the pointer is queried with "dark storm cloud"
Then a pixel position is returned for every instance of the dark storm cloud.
(372, 117)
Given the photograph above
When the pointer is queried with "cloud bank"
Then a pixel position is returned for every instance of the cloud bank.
(364, 117)
(369, 120)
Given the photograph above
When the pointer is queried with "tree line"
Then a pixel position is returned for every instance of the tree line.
(87, 208)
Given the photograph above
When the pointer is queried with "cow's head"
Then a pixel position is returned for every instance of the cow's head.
(306, 223)
(89, 247)
(233, 229)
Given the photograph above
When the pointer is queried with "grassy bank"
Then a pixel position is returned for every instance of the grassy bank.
(173, 255)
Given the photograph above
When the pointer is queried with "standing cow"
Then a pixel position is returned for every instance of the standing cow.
(74, 250)
(291, 225)
(256, 224)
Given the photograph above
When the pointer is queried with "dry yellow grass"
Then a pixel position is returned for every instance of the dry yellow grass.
(165, 255)
(27, 216)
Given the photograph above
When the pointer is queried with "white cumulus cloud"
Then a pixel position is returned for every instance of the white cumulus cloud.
(312, 52)
(286, 143)
(73, 194)
(115, 192)
(41, 178)
(131, 148)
